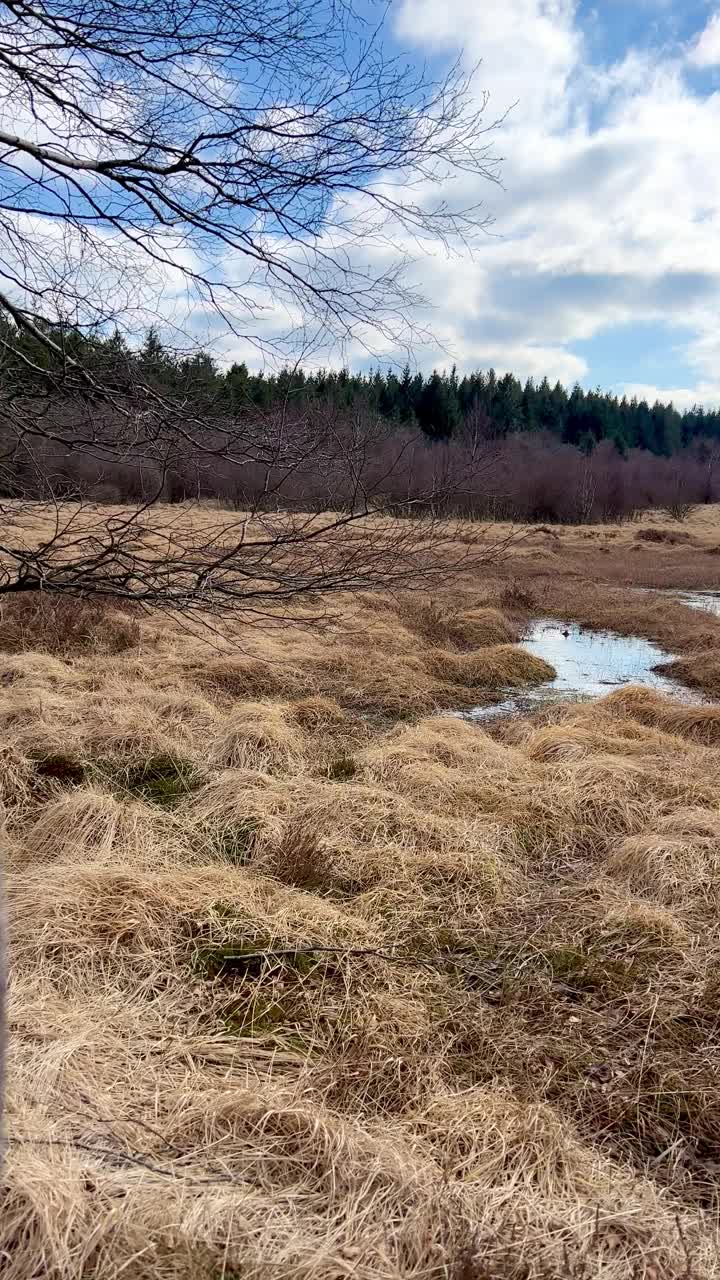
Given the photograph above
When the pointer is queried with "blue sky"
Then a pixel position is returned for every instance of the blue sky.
(604, 265)
(603, 261)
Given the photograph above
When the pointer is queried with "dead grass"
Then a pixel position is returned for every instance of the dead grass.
(699, 723)
(459, 628)
(90, 826)
(496, 667)
(673, 537)
(258, 735)
(698, 670)
(65, 625)
(312, 981)
(670, 868)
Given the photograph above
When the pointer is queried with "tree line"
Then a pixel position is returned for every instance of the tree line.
(440, 404)
(493, 446)
(492, 405)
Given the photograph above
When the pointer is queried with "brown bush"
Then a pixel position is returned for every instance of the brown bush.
(671, 536)
(66, 625)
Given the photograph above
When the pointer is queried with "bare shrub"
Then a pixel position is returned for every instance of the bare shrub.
(680, 511)
(518, 596)
(67, 626)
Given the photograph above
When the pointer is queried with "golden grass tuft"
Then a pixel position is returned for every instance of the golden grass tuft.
(37, 669)
(698, 670)
(258, 735)
(495, 667)
(697, 722)
(672, 868)
(585, 736)
(92, 826)
(318, 712)
(460, 628)
(641, 923)
(237, 678)
(397, 686)
(693, 821)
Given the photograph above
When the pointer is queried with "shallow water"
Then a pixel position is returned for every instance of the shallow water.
(588, 664)
(707, 600)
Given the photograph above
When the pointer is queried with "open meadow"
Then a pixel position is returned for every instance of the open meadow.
(312, 978)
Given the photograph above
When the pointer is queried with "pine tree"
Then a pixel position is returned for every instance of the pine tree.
(438, 410)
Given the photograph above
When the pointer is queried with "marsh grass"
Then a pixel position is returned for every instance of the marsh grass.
(161, 780)
(310, 980)
(66, 625)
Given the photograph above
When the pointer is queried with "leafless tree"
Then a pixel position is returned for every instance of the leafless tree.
(233, 167)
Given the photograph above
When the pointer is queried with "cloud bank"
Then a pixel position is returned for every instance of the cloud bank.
(610, 213)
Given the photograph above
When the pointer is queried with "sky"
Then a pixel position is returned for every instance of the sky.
(603, 262)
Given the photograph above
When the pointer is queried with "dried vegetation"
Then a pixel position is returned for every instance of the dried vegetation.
(309, 980)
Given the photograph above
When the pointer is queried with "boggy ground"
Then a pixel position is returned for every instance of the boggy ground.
(313, 979)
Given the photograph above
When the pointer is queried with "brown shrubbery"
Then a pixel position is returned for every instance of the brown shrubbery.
(65, 625)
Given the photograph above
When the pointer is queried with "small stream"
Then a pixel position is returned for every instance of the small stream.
(588, 664)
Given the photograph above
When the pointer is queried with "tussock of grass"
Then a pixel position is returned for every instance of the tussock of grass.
(238, 678)
(468, 628)
(668, 536)
(495, 667)
(697, 722)
(698, 670)
(40, 670)
(89, 825)
(670, 867)
(579, 740)
(397, 686)
(258, 735)
(318, 712)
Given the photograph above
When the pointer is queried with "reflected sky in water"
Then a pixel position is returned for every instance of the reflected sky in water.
(588, 664)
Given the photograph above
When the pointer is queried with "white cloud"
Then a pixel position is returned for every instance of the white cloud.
(681, 397)
(528, 48)
(610, 212)
(705, 52)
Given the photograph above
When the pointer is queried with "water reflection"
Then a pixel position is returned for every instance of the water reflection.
(588, 664)
(707, 600)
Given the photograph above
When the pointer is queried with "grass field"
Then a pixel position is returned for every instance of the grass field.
(313, 979)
